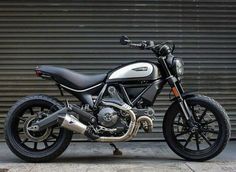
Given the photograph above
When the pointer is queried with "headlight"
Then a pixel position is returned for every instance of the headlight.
(178, 66)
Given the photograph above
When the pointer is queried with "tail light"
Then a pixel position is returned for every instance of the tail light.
(38, 72)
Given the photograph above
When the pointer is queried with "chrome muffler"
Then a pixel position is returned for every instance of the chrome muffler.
(71, 123)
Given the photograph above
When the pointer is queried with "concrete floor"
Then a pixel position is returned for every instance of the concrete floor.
(137, 156)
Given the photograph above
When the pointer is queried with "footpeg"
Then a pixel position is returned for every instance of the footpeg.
(116, 152)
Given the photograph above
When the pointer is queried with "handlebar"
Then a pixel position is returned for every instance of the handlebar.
(162, 49)
(124, 40)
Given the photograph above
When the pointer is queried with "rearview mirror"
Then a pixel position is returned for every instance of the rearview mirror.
(124, 40)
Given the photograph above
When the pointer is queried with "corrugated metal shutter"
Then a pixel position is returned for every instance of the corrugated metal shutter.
(84, 36)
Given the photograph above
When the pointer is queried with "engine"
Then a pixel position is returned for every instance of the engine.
(111, 122)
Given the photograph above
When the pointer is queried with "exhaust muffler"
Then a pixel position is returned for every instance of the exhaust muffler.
(71, 123)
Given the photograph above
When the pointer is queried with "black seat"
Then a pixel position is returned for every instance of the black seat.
(70, 78)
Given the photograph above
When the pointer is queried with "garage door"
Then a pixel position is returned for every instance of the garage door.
(84, 36)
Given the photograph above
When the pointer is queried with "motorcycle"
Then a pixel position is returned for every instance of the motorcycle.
(114, 106)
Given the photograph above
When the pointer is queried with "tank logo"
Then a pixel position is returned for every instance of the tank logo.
(140, 69)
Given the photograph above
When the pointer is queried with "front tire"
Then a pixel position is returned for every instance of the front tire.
(35, 146)
(213, 129)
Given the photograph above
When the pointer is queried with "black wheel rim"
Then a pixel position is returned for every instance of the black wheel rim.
(204, 138)
(26, 142)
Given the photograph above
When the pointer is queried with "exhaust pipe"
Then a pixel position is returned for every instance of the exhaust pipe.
(71, 123)
(138, 124)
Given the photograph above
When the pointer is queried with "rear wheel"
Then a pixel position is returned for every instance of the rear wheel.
(35, 146)
(211, 135)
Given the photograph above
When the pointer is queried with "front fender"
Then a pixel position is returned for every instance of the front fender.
(186, 95)
(172, 107)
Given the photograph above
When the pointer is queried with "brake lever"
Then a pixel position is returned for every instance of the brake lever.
(149, 45)
(146, 45)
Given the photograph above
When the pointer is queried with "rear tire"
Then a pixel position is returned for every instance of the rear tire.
(208, 141)
(55, 143)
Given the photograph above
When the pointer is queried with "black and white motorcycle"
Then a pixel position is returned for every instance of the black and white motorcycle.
(114, 106)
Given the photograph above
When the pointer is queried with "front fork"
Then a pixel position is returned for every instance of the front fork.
(177, 90)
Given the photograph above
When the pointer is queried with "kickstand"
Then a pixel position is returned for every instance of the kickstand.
(116, 151)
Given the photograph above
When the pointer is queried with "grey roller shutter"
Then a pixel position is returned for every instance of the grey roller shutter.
(84, 36)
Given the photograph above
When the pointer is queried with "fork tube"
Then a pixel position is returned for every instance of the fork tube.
(177, 90)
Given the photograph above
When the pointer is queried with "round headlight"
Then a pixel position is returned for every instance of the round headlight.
(179, 66)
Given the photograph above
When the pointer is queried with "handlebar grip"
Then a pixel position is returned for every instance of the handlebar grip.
(139, 45)
(145, 45)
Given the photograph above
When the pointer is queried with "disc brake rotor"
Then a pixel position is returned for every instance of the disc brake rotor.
(180, 128)
(211, 126)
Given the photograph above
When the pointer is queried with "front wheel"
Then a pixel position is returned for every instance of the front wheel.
(37, 146)
(208, 140)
